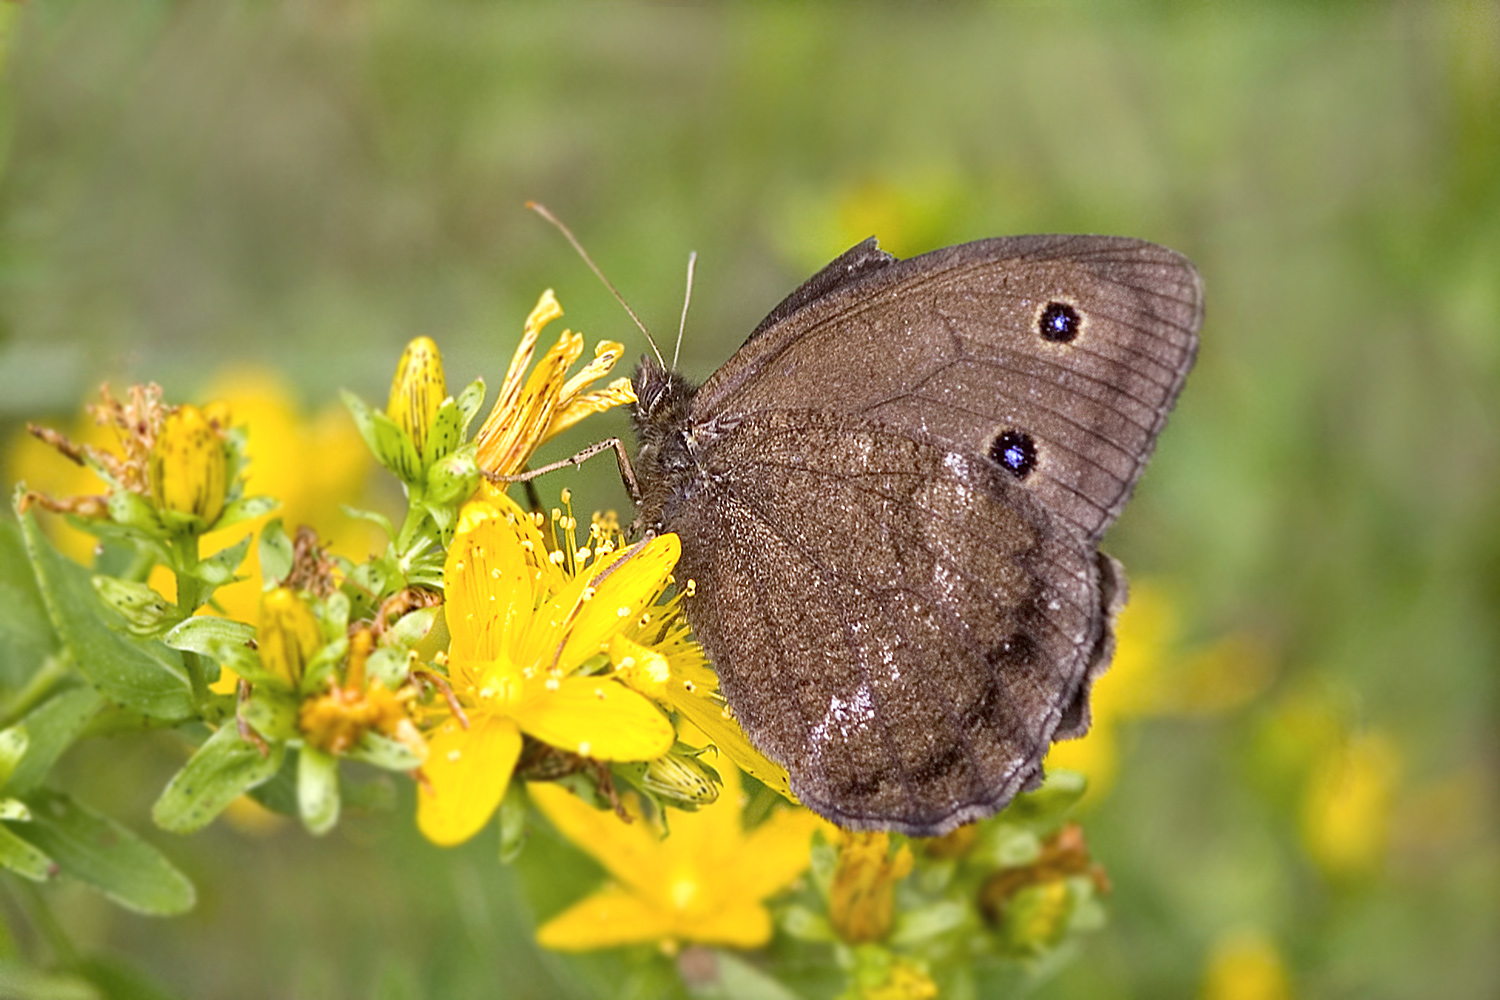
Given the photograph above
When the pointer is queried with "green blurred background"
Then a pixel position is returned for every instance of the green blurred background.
(189, 187)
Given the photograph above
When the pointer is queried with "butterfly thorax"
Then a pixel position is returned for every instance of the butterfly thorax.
(664, 462)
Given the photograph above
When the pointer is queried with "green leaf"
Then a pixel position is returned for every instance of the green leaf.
(218, 569)
(323, 665)
(146, 612)
(276, 553)
(924, 922)
(391, 445)
(100, 852)
(24, 859)
(318, 790)
(384, 752)
(445, 434)
(469, 401)
(224, 767)
(280, 793)
(245, 509)
(229, 643)
(50, 729)
(140, 674)
(26, 634)
(272, 712)
(134, 512)
(13, 743)
(513, 812)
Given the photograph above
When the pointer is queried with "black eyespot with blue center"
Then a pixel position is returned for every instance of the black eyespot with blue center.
(1015, 451)
(1059, 323)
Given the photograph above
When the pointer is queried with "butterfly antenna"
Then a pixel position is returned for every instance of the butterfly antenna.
(687, 297)
(541, 210)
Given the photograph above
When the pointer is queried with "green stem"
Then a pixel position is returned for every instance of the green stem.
(189, 597)
(53, 669)
(415, 513)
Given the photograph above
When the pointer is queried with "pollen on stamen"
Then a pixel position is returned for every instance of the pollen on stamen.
(627, 663)
(692, 587)
(624, 611)
(453, 755)
(557, 558)
(645, 620)
(584, 748)
(584, 554)
(488, 692)
(567, 495)
(527, 545)
(552, 684)
(689, 686)
(587, 594)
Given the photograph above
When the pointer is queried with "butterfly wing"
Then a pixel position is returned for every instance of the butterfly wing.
(899, 623)
(1059, 354)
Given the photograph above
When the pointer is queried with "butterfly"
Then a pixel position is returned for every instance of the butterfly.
(890, 501)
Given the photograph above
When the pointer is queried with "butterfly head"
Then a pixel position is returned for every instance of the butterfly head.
(663, 460)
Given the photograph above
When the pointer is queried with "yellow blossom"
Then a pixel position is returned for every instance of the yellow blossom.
(1245, 965)
(529, 411)
(521, 627)
(706, 882)
(1347, 806)
(188, 467)
(289, 635)
(862, 895)
(417, 390)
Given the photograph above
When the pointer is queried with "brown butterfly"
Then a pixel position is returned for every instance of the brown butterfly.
(891, 499)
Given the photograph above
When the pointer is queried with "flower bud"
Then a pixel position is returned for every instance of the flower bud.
(418, 390)
(289, 635)
(682, 779)
(862, 896)
(188, 470)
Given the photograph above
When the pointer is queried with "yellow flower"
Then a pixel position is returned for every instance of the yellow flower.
(529, 411)
(188, 468)
(1245, 965)
(521, 627)
(706, 882)
(417, 390)
(862, 895)
(289, 635)
(1347, 806)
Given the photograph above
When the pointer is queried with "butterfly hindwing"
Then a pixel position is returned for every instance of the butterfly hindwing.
(893, 620)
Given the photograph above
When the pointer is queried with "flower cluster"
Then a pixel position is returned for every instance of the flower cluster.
(512, 663)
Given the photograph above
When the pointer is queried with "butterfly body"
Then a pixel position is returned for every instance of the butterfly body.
(890, 501)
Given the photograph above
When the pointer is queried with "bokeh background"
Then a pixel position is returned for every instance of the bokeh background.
(1295, 771)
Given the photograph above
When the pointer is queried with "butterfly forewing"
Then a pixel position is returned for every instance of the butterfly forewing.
(951, 344)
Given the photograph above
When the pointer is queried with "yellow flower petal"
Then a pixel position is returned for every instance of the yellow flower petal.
(606, 353)
(487, 583)
(468, 771)
(609, 918)
(702, 706)
(779, 847)
(596, 717)
(623, 588)
(744, 924)
(628, 851)
(545, 311)
(617, 393)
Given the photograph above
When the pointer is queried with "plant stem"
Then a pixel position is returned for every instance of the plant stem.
(189, 597)
(53, 669)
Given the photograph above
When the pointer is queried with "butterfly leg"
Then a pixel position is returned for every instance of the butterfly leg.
(627, 473)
